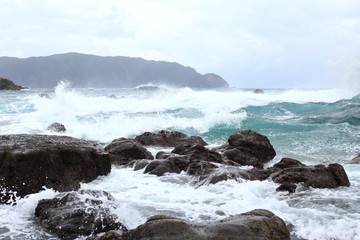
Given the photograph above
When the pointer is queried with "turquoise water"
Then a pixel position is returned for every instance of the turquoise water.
(313, 126)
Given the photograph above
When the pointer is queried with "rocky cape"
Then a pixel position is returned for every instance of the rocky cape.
(6, 84)
(83, 70)
(28, 163)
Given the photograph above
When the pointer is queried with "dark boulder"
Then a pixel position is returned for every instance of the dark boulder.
(256, 224)
(56, 127)
(317, 176)
(169, 165)
(287, 163)
(198, 152)
(254, 144)
(168, 139)
(287, 187)
(28, 163)
(124, 150)
(247, 147)
(242, 158)
(73, 214)
(6, 84)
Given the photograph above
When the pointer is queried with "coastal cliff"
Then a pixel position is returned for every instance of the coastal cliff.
(83, 70)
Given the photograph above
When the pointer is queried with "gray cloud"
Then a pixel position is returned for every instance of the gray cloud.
(250, 43)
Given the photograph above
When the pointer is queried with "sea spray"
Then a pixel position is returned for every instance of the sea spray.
(313, 126)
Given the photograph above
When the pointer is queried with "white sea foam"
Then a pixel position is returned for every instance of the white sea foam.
(92, 114)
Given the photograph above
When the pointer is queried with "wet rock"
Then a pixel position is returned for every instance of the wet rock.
(28, 163)
(74, 214)
(254, 144)
(287, 163)
(247, 147)
(56, 127)
(256, 224)
(168, 139)
(287, 187)
(355, 160)
(200, 168)
(138, 164)
(124, 150)
(111, 235)
(6, 84)
(197, 152)
(242, 158)
(317, 176)
(169, 165)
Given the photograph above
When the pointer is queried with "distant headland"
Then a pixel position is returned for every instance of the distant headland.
(6, 84)
(83, 70)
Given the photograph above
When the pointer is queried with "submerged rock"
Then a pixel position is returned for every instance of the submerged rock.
(256, 224)
(28, 163)
(124, 150)
(44, 95)
(56, 127)
(355, 160)
(168, 139)
(73, 214)
(258, 90)
(6, 84)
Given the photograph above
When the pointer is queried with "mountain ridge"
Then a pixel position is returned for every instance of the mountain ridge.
(86, 70)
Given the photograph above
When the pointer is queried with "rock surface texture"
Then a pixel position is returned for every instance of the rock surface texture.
(56, 127)
(256, 224)
(247, 147)
(124, 150)
(28, 163)
(74, 214)
(165, 138)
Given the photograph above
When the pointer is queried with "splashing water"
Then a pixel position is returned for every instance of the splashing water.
(313, 126)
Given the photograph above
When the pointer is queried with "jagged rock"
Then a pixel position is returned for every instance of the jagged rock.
(168, 139)
(197, 152)
(28, 163)
(247, 147)
(73, 214)
(56, 127)
(6, 84)
(124, 150)
(192, 158)
(168, 165)
(256, 224)
(317, 176)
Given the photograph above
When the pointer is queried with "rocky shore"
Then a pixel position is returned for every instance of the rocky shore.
(6, 84)
(28, 163)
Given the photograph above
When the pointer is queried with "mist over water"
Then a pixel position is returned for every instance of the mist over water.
(315, 126)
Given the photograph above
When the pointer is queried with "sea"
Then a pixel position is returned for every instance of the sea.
(314, 126)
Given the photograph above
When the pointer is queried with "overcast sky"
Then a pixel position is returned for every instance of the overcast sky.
(253, 43)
